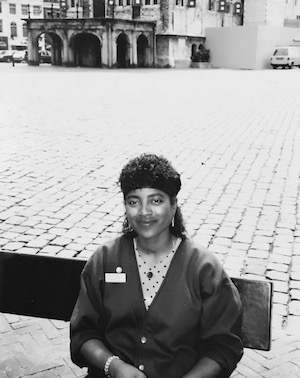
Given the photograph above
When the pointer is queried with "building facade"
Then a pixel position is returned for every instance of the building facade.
(13, 27)
(270, 12)
(133, 33)
(130, 33)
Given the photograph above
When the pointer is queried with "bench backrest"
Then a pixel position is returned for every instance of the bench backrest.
(47, 287)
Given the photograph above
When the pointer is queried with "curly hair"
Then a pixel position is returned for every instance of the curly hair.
(152, 171)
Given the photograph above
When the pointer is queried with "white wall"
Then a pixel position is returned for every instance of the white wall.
(292, 9)
(232, 47)
(275, 12)
(255, 12)
(265, 12)
(247, 47)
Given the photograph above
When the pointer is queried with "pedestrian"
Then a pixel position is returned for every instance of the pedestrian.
(152, 302)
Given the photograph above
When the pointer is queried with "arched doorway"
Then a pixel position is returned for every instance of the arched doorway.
(142, 51)
(123, 60)
(56, 50)
(50, 49)
(87, 50)
(193, 52)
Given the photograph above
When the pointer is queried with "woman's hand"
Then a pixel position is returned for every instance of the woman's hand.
(120, 369)
(96, 353)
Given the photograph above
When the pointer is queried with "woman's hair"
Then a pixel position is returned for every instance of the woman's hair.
(152, 171)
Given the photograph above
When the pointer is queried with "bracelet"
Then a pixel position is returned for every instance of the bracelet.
(107, 365)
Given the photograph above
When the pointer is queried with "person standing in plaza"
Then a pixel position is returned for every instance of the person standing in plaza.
(153, 303)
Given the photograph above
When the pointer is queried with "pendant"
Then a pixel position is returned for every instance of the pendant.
(149, 275)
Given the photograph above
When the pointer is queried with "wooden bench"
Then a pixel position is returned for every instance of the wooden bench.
(47, 287)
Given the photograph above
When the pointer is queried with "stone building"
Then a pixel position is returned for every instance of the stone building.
(13, 15)
(13, 30)
(145, 33)
(130, 33)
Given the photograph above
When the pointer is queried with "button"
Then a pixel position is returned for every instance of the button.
(142, 367)
(143, 340)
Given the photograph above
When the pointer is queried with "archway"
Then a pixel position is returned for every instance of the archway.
(142, 48)
(123, 60)
(50, 48)
(56, 50)
(87, 50)
(194, 52)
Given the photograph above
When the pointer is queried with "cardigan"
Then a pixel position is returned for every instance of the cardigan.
(196, 312)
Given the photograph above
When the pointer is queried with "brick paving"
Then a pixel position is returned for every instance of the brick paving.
(234, 136)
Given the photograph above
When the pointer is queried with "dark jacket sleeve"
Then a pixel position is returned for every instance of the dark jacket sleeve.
(87, 320)
(221, 317)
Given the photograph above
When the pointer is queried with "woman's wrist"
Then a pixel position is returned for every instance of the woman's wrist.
(107, 365)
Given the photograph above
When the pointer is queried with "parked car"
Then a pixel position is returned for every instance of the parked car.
(20, 56)
(2, 52)
(286, 56)
(6, 55)
(45, 56)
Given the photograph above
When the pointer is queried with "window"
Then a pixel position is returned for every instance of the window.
(25, 30)
(12, 8)
(211, 5)
(13, 29)
(191, 3)
(0, 7)
(128, 2)
(37, 10)
(1, 26)
(147, 2)
(155, 2)
(24, 10)
(281, 51)
(121, 2)
(179, 3)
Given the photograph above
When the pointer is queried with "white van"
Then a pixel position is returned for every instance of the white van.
(286, 56)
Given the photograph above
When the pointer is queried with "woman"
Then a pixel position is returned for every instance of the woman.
(153, 303)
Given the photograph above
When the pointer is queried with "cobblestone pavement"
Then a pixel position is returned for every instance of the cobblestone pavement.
(234, 136)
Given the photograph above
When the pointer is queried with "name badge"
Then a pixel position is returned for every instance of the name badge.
(115, 277)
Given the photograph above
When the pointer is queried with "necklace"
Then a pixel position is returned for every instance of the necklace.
(162, 265)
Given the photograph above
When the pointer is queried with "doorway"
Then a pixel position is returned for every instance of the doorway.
(123, 60)
(142, 51)
(87, 50)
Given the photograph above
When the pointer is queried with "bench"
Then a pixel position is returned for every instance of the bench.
(47, 287)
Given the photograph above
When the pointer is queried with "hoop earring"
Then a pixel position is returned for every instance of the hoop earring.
(130, 229)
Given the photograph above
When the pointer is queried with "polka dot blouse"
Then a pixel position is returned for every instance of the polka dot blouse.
(152, 276)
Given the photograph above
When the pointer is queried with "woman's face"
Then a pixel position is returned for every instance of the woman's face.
(149, 212)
